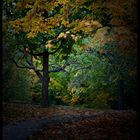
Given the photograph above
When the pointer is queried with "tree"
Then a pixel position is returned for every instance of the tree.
(43, 28)
(16, 82)
(46, 28)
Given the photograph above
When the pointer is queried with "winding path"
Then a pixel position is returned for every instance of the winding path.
(21, 130)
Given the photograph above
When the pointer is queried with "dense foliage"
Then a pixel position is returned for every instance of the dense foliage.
(93, 45)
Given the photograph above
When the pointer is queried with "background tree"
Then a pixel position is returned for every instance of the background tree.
(16, 83)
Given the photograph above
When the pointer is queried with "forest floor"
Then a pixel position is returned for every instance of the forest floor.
(24, 121)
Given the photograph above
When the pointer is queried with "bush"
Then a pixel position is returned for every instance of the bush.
(36, 98)
(97, 100)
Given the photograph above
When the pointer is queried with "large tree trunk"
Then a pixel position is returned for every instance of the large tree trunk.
(45, 83)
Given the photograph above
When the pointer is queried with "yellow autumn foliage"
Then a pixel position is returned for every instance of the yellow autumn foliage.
(34, 22)
(74, 100)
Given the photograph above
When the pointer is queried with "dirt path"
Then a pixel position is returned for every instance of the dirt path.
(21, 130)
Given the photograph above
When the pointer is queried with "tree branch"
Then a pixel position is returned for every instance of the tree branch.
(20, 66)
(29, 51)
(35, 69)
(59, 46)
(35, 54)
(20, 59)
(55, 50)
(60, 69)
(57, 70)
(31, 66)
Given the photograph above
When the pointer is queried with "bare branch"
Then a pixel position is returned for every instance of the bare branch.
(58, 69)
(20, 59)
(33, 67)
(39, 76)
(37, 71)
(21, 66)
(30, 66)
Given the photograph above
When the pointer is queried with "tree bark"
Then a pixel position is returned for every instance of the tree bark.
(45, 84)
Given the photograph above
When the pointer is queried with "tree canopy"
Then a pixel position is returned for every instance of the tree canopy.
(93, 42)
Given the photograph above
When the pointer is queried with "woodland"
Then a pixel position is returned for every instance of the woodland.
(75, 56)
